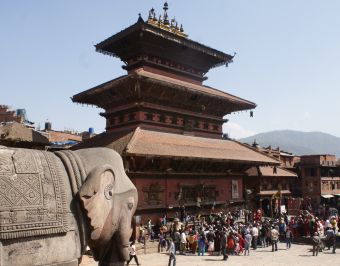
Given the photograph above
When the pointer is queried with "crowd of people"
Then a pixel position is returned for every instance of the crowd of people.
(240, 232)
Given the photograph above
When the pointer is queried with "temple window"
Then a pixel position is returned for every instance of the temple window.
(149, 116)
(162, 118)
(132, 116)
(174, 120)
(333, 185)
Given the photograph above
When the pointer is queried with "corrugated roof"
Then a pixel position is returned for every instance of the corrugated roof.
(152, 143)
(269, 171)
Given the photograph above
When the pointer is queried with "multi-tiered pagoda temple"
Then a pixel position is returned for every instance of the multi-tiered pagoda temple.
(166, 124)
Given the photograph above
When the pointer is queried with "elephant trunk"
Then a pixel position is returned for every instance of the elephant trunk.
(123, 237)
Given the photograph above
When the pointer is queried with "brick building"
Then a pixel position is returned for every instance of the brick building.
(287, 159)
(320, 180)
(63, 139)
(9, 115)
(267, 181)
(167, 124)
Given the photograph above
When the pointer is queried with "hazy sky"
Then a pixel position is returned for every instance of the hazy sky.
(288, 57)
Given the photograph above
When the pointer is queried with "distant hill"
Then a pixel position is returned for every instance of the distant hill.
(298, 142)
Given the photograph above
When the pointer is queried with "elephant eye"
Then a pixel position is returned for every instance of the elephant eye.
(130, 205)
(108, 192)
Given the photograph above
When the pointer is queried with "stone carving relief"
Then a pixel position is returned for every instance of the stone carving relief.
(153, 194)
(194, 193)
(32, 199)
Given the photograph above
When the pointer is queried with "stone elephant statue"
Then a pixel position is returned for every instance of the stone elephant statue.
(54, 205)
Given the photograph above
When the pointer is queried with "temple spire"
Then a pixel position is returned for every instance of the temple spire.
(164, 23)
(165, 16)
(140, 19)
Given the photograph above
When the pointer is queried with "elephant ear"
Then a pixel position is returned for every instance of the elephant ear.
(96, 196)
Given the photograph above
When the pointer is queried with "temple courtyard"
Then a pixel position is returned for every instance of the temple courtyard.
(297, 255)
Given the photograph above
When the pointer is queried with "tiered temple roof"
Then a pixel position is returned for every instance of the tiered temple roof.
(162, 44)
(147, 143)
(148, 87)
(161, 108)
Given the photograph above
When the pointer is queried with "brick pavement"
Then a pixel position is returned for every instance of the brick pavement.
(298, 255)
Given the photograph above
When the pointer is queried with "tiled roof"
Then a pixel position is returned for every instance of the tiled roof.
(106, 46)
(88, 95)
(269, 171)
(199, 88)
(152, 143)
(113, 140)
(160, 144)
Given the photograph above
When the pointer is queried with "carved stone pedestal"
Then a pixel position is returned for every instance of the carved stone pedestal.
(111, 263)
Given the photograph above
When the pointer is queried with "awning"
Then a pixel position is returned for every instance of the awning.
(327, 196)
(337, 195)
(272, 192)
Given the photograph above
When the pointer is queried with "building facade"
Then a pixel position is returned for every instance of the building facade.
(320, 180)
(167, 124)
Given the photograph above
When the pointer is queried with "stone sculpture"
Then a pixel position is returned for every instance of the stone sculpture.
(52, 205)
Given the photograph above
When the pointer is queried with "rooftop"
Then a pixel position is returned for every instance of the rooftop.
(147, 143)
(92, 96)
(161, 42)
(270, 171)
(17, 132)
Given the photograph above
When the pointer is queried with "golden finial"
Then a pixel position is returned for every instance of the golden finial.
(172, 22)
(181, 29)
(150, 13)
(154, 17)
(166, 6)
(140, 19)
(164, 23)
(165, 16)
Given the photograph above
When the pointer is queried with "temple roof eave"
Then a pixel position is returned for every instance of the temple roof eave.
(191, 158)
(92, 96)
(220, 58)
(153, 144)
(161, 144)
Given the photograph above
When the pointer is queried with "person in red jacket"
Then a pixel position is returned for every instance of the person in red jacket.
(230, 243)
(241, 242)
